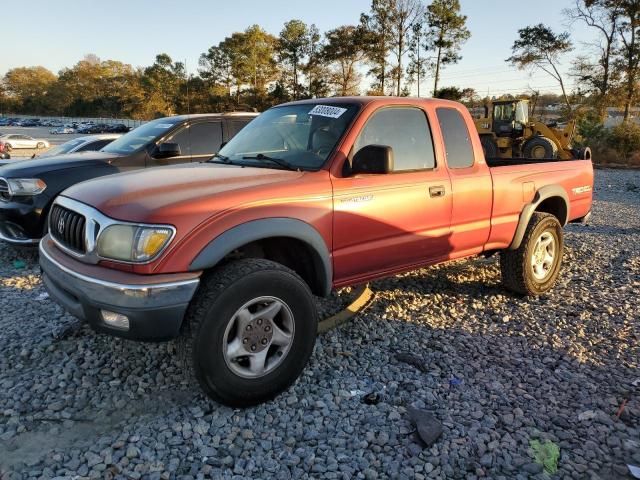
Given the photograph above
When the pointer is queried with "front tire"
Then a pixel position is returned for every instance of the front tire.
(252, 329)
(534, 267)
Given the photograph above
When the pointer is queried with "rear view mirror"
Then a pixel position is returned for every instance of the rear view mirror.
(167, 150)
(373, 159)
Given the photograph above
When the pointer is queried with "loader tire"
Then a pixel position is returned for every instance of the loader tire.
(540, 148)
(489, 147)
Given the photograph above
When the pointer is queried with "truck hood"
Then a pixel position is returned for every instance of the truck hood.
(38, 166)
(158, 195)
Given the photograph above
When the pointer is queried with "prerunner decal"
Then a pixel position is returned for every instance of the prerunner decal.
(327, 111)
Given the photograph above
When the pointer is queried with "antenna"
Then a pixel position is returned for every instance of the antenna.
(187, 80)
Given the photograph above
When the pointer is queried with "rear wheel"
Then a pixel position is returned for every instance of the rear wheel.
(489, 146)
(540, 148)
(252, 330)
(534, 267)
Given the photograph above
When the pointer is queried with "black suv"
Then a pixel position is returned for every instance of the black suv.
(28, 188)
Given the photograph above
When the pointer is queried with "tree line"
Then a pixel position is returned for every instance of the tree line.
(397, 45)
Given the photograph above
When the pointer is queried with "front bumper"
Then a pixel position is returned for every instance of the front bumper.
(154, 304)
(21, 222)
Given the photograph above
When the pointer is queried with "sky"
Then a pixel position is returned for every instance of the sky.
(60, 33)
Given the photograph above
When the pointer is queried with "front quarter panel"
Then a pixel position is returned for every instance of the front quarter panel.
(308, 199)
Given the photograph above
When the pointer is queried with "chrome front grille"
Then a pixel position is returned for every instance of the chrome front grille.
(68, 228)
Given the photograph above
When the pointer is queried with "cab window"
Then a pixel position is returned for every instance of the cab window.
(457, 140)
(206, 138)
(406, 131)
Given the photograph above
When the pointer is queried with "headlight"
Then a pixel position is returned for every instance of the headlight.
(25, 186)
(133, 243)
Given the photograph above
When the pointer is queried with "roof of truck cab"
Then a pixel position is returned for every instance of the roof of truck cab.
(191, 116)
(365, 100)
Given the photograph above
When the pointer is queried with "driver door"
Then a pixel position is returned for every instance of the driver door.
(394, 221)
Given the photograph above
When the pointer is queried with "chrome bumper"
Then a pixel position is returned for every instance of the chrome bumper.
(155, 310)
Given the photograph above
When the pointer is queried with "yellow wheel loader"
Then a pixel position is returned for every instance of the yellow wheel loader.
(507, 132)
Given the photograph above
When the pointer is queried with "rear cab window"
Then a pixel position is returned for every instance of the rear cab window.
(457, 139)
(235, 125)
(206, 138)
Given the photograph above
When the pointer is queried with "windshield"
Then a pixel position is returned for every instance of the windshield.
(64, 148)
(303, 136)
(141, 136)
(503, 112)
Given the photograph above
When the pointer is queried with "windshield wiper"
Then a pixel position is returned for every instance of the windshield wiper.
(277, 161)
(224, 158)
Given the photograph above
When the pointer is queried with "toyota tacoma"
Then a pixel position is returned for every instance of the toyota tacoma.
(311, 196)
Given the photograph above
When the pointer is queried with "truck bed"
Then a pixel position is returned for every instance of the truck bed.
(503, 162)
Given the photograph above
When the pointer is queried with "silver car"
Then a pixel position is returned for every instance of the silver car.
(82, 144)
(17, 140)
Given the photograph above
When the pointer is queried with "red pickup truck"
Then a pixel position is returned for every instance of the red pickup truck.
(310, 196)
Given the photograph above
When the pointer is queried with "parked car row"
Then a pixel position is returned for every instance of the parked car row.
(59, 127)
(90, 127)
(228, 243)
(28, 122)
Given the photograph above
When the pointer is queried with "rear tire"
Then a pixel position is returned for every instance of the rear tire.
(232, 316)
(489, 147)
(534, 267)
(540, 148)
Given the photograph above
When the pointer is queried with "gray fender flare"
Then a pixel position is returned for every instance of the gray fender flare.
(541, 195)
(254, 230)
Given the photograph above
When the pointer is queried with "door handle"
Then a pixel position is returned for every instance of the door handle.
(437, 191)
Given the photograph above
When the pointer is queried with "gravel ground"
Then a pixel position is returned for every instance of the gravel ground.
(496, 370)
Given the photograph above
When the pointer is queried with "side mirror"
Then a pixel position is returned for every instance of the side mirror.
(373, 159)
(167, 150)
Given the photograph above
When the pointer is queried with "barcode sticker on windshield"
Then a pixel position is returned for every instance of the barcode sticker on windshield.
(327, 111)
(164, 125)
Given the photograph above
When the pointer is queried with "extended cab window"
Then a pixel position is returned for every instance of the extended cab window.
(406, 131)
(206, 138)
(457, 141)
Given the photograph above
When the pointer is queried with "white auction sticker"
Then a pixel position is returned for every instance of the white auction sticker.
(327, 111)
(164, 126)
